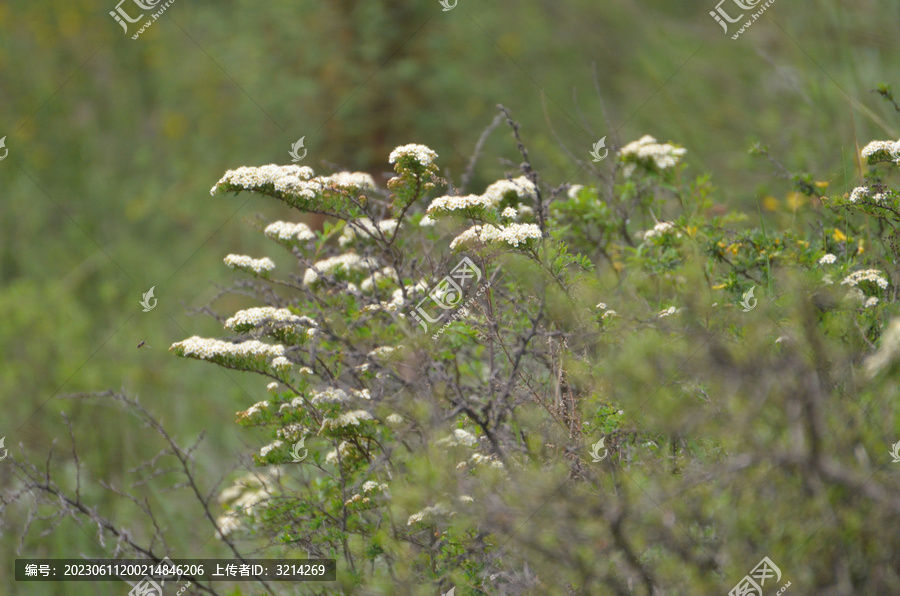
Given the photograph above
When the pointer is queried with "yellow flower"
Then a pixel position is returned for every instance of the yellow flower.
(770, 203)
(719, 287)
(691, 230)
(733, 249)
(839, 236)
(861, 250)
(794, 200)
(821, 184)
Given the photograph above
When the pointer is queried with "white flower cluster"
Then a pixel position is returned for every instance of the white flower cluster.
(421, 153)
(253, 318)
(395, 419)
(248, 264)
(873, 301)
(459, 437)
(362, 394)
(330, 396)
(574, 190)
(252, 178)
(344, 420)
(427, 222)
(660, 229)
(382, 352)
(347, 261)
(891, 148)
(509, 213)
(268, 448)
(521, 186)
(352, 231)
(828, 259)
(859, 193)
(607, 313)
(272, 386)
(370, 486)
(254, 409)
(873, 275)
(667, 312)
(429, 513)
(512, 234)
(369, 283)
(648, 149)
(291, 432)
(207, 349)
(345, 449)
(359, 180)
(286, 231)
(450, 203)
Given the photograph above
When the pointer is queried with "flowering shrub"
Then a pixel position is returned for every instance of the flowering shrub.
(644, 395)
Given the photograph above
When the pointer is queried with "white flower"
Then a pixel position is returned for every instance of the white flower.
(208, 349)
(873, 275)
(253, 178)
(466, 499)
(478, 459)
(667, 311)
(255, 408)
(660, 229)
(369, 283)
(345, 449)
(395, 419)
(828, 259)
(429, 513)
(359, 180)
(330, 395)
(266, 449)
(608, 314)
(459, 437)
(382, 352)
(248, 264)
(873, 301)
(282, 363)
(369, 486)
(859, 193)
(227, 523)
(648, 150)
(362, 394)
(344, 420)
(253, 318)
(345, 262)
(421, 153)
(426, 221)
(272, 386)
(450, 203)
(522, 187)
(601, 305)
(874, 147)
(305, 370)
(285, 231)
(512, 234)
(291, 432)
(509, 212)
(574, 190)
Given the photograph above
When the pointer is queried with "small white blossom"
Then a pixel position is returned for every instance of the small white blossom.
(873, 275)
(421, 153)
(329, 395)
(426, 221)
(272, 386)
(395, 419)
(512, 234)
(667, 311)
(344, 420)
(522, 187)
(872, 301)
(266, 449)
(574, 190)
(648, 150)
(859, 193)
(345, 262)
(451, 203)
(459, 437)
(208, 349)
(660, 229)
(828, 259)
(285, 231)
(248, 264)
(509, 212)
(282, 363)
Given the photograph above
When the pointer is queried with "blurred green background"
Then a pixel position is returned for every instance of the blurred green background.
(114, 144)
